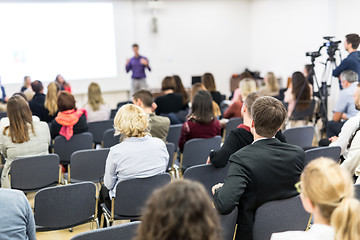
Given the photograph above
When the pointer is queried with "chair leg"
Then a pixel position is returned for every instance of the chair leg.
(71, 230)
(102, 221)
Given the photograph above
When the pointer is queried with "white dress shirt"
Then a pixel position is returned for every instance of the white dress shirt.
(316, 232)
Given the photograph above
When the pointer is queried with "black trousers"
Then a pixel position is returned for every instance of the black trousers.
(104, 197)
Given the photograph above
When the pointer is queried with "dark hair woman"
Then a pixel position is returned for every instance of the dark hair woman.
(180, 89)
(201, 122)
(171, 102)
(208, 80)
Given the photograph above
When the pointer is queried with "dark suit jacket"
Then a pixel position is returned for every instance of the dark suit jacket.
(37, 108)
(261, 172)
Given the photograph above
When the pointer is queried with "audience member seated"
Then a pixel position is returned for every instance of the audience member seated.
(137, 156)
(4, 99)
(307, 73)
(180, 210)
(171, 102)
(352, 160)
(37, 104)
(235, 82)
(240, 137)
(23, 137)
(195, 89)
(271, 87)
(63, 84)
(209, 82)
(298, 95)
(17, 218)
(50, 104)
(264, 171)
(158, 125)
(201, 122)
(180, 89)
(345, 107)
(97, 109)
(327, 193)
(246, 87)
(69, 120)
(27, 84)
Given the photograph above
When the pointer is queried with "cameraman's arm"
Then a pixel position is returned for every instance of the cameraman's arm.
(343, 66)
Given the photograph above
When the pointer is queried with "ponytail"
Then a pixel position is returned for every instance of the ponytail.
(346, 219)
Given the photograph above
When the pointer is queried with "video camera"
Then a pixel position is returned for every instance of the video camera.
(332, 47)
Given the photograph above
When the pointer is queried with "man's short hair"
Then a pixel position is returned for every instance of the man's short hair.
(354, 39)
(37, 86)
(249, 101)
(268, 114)
(145, 96)
(135, 45)
(349, 76)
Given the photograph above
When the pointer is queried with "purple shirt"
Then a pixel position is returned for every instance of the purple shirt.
(138, 70)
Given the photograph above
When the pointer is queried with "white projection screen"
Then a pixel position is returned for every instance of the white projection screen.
(42, 40)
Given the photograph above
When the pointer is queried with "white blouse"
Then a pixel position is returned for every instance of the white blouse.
(316, 232)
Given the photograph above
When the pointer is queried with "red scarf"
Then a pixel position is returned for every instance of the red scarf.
(68, 119)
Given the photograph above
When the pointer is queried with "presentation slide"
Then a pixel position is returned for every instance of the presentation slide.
(42, 40)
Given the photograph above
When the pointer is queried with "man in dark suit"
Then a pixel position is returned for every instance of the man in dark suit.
(264, 171)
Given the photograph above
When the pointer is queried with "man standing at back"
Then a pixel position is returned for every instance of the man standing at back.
(137, 65)
(261, 172)
(158, 125)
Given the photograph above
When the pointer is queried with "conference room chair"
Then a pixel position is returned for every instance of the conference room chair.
(329, 152)
(232, 124)
(174, 134)
(131, 196)
(196, 151)
(228, 224)
(120, 104)
(113, 113)
(30, 174)
(64, 148)
(125, 231)
(300, 136)
(3, 114)
(65, 206)
(306, 114)
(87, 165)
(108, 139)
(207, 175)
(357, 191)
(279, 216)
(97, 129)
(171, 150)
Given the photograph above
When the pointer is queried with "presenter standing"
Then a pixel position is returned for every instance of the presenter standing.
(137, 65)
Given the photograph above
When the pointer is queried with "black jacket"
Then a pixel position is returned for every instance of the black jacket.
(80, 127)
(261, 172)
(169, 103)
(37, 108)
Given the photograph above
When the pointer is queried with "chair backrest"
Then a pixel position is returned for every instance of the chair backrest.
(109, 139)
(113, 113)
(132, 194)
(97, 129)
(64, 148)
(174, 134)
(300, 136)
(329, 152)
(228, 224)
(88, 165)
(306, 113)
(207, 174)
(64, 206)
(279, 216)
(33, 173)
(232, 124)
(197, 150)
(357, 191)
(125, 231)
(3, 114)
(171, 150)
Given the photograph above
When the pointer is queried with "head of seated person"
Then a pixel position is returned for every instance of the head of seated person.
(168, 85)
(301, 90)
(180, 210)
(131, 120)
(95, 99)
(246, 86)
(347, 78)
(268, 115)
(37, 87)
(327, 192)
(202, 108)
(209, 82)
(145, 100)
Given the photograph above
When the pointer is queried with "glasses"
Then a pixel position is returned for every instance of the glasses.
(298, 187)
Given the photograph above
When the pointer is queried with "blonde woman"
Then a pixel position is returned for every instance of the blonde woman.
(51, 101)
(327, 192)
(137, 156)
(96, 109)
(246, 87)
(271, 87)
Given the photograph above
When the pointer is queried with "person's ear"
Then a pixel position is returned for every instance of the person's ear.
(307, 204)
(252, 123)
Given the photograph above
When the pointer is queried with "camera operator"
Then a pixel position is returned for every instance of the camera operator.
(352, 62)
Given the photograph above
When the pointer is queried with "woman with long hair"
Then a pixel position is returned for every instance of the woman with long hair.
(171, 102)
(69, 120)
(22, 137)
(180, 89)
(271, 87)
(64, 85)
(177, 211)
(195, 89)
(97, 109)
(201, 122)
(209, 82)
(327, 192)
(51, 101)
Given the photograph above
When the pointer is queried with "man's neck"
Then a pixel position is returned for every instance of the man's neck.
(168, 91)
(247, 120)
(351, 50)
(147, 110)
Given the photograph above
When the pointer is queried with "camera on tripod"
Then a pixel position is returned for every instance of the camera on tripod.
(332, 47)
